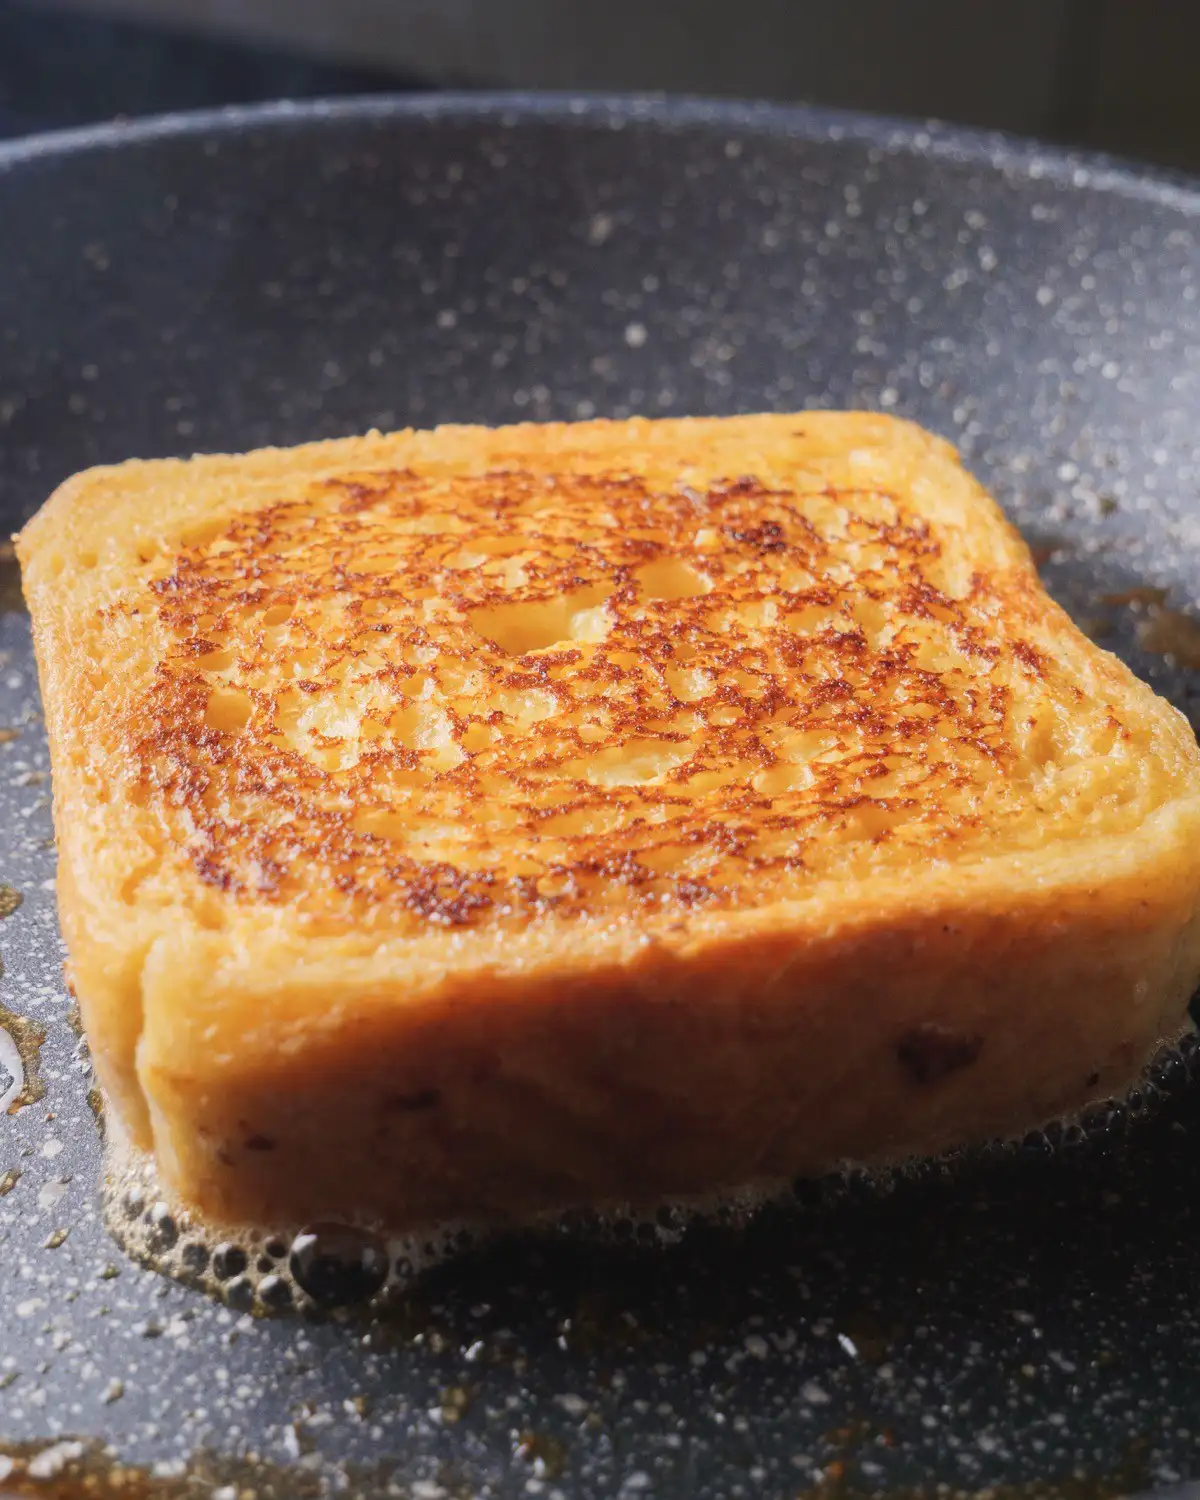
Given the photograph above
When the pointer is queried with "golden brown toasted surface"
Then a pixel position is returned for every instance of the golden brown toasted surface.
(562, 682)
(494, 820)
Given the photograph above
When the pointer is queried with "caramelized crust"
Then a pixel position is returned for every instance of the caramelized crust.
(664, 806)
(400, 695)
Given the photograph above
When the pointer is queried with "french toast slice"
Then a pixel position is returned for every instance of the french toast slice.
(465, 824)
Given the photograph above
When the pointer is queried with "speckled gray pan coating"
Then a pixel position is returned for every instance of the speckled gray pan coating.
(297, 273)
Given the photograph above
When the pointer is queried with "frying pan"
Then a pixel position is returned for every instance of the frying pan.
(1027, 1318)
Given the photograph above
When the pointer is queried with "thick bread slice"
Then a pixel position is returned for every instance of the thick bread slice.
(465, 823)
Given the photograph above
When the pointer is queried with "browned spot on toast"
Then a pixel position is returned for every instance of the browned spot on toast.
(447, 701)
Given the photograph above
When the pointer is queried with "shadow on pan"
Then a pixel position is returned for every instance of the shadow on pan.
(1027, 1325)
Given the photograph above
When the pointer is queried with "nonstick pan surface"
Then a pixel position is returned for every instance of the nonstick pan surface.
(219, 282)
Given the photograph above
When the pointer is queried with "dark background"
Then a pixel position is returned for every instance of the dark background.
(1118, 75)
(59, 68)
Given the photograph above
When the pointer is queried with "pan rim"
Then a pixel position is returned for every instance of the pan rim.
(1020, 156)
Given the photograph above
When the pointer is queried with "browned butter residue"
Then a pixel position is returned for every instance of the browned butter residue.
(77, 1469)
(839, 1482)
(545, 1454)
(12, 599)
(1044, 549)
(840, 1479)
(1161, 630)
(1141, 595)
(28, 1038)
(1168, 632)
